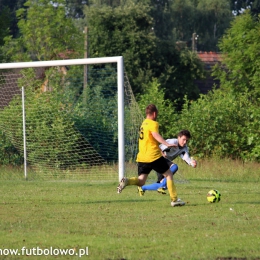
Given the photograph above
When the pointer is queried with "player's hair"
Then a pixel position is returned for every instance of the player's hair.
(184, 132)
(151, 109)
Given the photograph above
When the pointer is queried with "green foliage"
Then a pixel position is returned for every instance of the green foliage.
(207, 18)
(240, 67)
(46, 33)
(75, 8)
(176, 70)
(71, 123)
(226, 122)
(4, 29)
(128, 31)
(49, 125)
(95, 118)
(9, 155)
(212, 19)
(156, 95)
(253, 130)
(8, 10)
(223, 124)
(4, 24)
(123, 31)
(239, 6)
(162, 15)
(183, 17)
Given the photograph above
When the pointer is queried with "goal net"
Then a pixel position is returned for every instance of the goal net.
(69, 119)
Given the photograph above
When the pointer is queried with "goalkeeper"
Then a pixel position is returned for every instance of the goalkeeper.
(180, 149)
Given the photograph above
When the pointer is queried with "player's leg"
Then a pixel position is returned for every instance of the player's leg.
(122, 184)
(172, 190)
(160, 187)
(170, 185)
(143, 171)
(142, 179)
(163, 189)
(155, 186)
(160, 177)
(174, 168)
(161, 166)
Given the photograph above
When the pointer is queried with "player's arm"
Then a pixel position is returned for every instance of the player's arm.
(160, 139)
(193, 162)
(189, 160)
(163, 154)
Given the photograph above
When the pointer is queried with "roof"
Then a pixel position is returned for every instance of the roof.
(210, 57)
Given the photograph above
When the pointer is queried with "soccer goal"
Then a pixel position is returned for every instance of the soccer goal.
(69, 118)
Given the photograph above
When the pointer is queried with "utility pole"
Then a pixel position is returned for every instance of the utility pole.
(194, 42)
(85, 66)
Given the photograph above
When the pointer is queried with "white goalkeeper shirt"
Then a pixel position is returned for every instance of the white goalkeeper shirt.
(174, 152)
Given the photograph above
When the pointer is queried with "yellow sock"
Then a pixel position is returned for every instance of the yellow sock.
(172, 190)
(133, 181)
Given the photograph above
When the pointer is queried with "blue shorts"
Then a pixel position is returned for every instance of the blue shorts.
(160, 165)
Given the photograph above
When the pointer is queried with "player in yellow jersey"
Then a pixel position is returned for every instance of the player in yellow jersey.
(150, 157)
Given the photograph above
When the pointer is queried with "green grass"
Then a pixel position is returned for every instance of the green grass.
(70, 214)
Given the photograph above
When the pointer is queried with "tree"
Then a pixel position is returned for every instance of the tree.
(241, 60)
(156, 95)
(12, 6)
(75, 8)
(183, 14)
(162, 16)
(239, 79)
(207, 18)
(123, 31)
(239, 6)
(45, 33)
(5, 22)
(176, 69)
(222, 124)
(128, 31)
(255, 8)
(214, 17)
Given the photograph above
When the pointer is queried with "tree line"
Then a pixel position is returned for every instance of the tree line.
(180, 18)
(154, 37)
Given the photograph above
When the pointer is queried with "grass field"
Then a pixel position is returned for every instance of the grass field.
(81, 218)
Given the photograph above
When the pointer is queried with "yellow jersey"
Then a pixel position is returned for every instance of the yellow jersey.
(149, 150)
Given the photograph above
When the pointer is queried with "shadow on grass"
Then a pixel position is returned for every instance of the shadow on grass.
(225, 180)
(116, 201)
(246, 202)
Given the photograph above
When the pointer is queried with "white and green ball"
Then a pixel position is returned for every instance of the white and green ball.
(213, 196)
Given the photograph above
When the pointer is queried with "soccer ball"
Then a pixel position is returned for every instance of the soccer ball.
(213, 196)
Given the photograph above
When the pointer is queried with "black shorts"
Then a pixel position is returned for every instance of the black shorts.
(159, 175)
(160, 165)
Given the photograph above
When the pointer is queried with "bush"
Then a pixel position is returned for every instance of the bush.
(156, 95)
(9, 155)
(223, 124)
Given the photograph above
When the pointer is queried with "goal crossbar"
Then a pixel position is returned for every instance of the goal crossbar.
(120, 86)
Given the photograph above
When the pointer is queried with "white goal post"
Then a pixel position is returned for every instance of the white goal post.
(120, 85)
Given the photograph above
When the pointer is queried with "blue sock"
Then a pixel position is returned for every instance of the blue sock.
(155, 186)
(174, 168)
